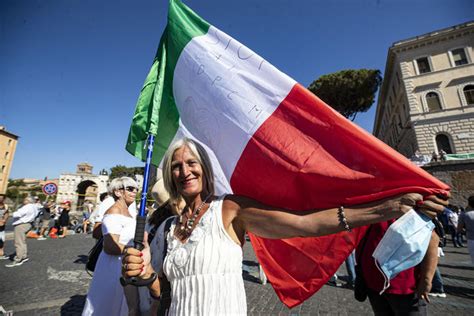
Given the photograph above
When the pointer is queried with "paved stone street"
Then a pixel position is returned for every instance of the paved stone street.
(54, 282)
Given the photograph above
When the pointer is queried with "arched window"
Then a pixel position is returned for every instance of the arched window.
(434, 104)
(469, 94)
(442, 142)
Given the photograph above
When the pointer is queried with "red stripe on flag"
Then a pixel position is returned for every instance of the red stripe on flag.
(306, 156)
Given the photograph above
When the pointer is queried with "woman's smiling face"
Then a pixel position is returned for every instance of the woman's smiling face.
(187, 172)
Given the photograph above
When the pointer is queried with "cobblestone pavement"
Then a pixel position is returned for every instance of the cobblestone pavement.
(54, 282)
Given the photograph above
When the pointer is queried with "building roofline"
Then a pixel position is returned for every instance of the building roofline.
(433, 33)
(3, 131)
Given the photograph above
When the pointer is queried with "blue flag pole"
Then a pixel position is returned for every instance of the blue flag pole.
(141, 217)
(138, 240)
(149, 153)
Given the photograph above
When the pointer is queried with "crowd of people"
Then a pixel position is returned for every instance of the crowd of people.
(193, 229)
(39, 220)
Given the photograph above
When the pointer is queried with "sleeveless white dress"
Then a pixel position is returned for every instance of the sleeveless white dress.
(105, 296)
(206, 271)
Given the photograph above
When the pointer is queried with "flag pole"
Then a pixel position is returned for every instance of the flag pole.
(141, 216)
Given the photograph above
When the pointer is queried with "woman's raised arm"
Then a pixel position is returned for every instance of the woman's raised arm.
(269, 222)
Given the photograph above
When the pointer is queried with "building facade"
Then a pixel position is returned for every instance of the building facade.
(84, 186)
(8, 143)
(426, 103)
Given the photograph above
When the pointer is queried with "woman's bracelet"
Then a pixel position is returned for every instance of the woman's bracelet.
(342, 218)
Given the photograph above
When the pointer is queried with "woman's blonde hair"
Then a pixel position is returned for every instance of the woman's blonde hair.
(121, 183)
(201, 155)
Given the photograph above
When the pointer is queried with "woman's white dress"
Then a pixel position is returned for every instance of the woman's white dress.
(206, 271)
(106, 295)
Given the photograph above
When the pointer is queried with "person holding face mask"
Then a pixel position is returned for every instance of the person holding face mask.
(106, 296)
(391, 291)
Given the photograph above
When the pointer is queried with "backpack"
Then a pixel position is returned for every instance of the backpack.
(93, 255)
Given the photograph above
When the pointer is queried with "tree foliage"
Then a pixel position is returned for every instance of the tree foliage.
(16, 183)
(348, 91)
(17, 191)
(122, 171)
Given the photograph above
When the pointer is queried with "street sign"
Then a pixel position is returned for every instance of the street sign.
(50, 188)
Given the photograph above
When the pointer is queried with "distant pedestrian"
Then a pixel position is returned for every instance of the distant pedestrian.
(37, 221)
(437, 288)
(22, 220)
(453, 221)
(86, 214)
(64, 218)
(466, 222)
(442, 155)
(45, 219)
(38, 202)
(350, 267)
(3, 221)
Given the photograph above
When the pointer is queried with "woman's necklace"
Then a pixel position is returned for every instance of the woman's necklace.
(188, 226)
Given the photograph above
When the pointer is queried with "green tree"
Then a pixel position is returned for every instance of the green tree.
(348, 91)
(122, 171)
(13, 193)
(15, 183)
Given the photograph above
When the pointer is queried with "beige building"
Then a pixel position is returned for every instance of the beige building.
(81, 186)
(426, 102)
(7, 152)
(84, 186)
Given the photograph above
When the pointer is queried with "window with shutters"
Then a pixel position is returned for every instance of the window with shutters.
(433, 102)
(459, 57)
(423, 65)
(469, 94)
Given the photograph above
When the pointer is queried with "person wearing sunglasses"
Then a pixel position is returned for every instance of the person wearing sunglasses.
(106, 202)
(106, 296)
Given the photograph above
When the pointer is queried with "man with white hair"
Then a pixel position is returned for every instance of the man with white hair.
(22, 220)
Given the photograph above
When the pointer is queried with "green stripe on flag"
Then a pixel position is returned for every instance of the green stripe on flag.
(156, 112)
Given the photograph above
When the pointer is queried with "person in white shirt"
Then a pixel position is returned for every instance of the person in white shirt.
(22, 220)
(98, 215)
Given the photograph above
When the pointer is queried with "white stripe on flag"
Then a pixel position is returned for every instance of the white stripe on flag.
(224, 92)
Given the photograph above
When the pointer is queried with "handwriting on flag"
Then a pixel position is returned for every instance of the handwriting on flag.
(232, 92)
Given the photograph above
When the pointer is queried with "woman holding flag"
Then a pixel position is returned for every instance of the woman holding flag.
(204, 254)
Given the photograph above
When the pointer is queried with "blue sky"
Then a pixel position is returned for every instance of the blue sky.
(71, 71)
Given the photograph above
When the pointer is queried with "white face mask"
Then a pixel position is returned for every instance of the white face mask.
(403, 246)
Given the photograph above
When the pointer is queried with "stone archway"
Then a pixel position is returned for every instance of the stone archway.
(87, 190)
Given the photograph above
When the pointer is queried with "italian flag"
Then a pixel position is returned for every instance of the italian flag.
(270, 139)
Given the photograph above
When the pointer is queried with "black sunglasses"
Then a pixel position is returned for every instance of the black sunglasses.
(131, 189)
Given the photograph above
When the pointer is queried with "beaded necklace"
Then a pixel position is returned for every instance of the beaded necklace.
(186, 228)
